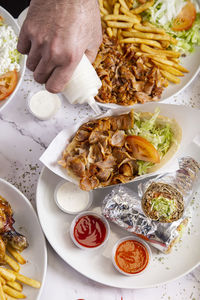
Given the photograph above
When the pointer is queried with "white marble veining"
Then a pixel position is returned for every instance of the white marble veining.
(22, 141)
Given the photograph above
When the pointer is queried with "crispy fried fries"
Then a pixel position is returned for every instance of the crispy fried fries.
(19, 258)
(11, 280)
(12, 263)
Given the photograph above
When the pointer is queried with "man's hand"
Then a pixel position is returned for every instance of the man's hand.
(55, 35)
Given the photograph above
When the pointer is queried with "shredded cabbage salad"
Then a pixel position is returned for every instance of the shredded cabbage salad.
(164, 206)
(159, 136)
(162, 14)
(9, 56)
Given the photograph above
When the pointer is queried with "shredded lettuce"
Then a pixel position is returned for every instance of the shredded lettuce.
(143, 166)
(162, 14)
(163, 206)
(159, 136)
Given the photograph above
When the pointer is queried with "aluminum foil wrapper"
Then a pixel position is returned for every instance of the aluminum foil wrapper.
(123, 207)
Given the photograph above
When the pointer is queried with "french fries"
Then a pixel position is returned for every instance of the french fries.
(144, 41)
(2, 295)
(13, 293)
(8, 276)
(15, 285)
(169, 69)
(119, 24)
(11, 280)
(124, 23)
(168, 53)
(151, 29)
(19, 258)
(12, 263)
(143, 7)
(121, 18)
(24, 279)
(123, 4)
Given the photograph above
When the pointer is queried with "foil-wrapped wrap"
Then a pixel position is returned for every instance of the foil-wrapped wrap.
(185, 180)
(123, 206)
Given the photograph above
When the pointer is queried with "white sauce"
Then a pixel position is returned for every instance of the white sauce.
(71, 198)
(43, 105)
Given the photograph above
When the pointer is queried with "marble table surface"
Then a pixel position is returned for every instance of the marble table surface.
(22, 141)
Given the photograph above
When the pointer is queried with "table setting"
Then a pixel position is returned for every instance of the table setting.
(30, 148)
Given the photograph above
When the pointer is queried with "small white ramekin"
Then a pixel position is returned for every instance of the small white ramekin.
(65, 210)
(128, 238)
(48, 113)
(102, 218)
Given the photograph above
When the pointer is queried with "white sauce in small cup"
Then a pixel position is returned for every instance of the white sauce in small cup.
(43, 105)
(70, 198)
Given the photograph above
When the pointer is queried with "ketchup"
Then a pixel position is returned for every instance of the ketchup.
(131, 257)
(90, 231)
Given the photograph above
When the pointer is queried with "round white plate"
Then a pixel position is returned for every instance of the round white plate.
(190, 62)
(98, 264)
(26, 222)
(9, 20)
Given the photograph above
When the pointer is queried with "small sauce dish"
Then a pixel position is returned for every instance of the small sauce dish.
(89, 231)
(131, 256)
(43, 105)
(71, 199)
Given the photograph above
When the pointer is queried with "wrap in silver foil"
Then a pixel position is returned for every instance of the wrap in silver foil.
(123, 207)
(185, 180)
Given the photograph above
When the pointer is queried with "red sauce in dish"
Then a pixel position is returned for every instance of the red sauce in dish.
(90, 231)
(131, 257)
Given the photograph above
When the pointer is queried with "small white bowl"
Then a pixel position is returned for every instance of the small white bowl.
(133, 238)
(45, 108)
(71, 212)
(102, 218)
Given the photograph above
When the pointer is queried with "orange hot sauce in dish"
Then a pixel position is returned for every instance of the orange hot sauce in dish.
(90, 231)
(131, 257)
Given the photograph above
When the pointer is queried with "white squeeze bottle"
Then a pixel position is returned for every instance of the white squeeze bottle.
(83, 85)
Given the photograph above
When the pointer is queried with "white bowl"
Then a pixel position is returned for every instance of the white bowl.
(13, 23)
(133, 238)
(102, 218)
(70, 211)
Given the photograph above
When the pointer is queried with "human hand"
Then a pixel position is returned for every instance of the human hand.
(55, 35)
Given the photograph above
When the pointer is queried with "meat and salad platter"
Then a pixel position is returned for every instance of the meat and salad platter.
(149, 50)
(136, 172)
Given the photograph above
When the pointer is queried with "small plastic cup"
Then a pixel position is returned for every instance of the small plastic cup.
(133, 238)
(70, 211)
(102, 218)
(43, 105)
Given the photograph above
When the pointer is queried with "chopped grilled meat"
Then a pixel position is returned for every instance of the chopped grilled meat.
(124, 75)
(118, 138)
(102, 158)
(7, 232)
(89, 183)
(16, 240)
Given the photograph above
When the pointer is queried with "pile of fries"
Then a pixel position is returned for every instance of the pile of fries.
(11, 280)
(123, 22)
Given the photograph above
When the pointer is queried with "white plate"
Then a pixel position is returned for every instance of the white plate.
(9, 20)
(98, 265)
(190, 62)
(26, 222)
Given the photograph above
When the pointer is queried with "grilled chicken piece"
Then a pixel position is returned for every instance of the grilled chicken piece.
(7, 232)
(16, 240)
